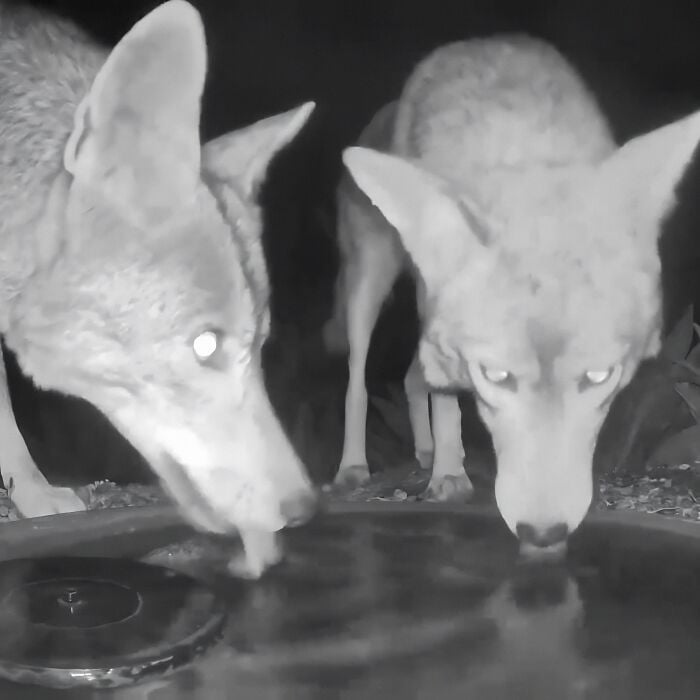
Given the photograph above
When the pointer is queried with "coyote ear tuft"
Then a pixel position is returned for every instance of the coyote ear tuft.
(136, 133)
(243, 156)
(647, 170)
(439, 232)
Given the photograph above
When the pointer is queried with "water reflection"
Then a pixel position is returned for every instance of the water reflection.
(522, 640)
(440, 607)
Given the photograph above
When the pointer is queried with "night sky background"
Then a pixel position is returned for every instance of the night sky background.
(641, 58)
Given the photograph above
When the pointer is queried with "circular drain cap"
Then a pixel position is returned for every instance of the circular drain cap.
(76, 621)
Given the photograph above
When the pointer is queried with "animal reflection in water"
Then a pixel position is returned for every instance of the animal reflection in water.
(537, 616)
(531, 646)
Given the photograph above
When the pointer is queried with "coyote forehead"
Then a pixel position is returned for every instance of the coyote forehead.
(192, 269)
(555, 260)
(146, 289)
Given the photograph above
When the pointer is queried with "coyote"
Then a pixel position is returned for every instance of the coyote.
(132, 272)
(533, 238)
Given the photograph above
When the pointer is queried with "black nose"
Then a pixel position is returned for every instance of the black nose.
(299, 508)
(542, 537)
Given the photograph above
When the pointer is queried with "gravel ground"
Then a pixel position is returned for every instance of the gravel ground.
(101, 494)
(668, 492)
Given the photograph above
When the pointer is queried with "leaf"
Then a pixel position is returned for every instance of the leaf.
(681, 448)
(678, 342)
(641, 416)
(682, 371)
(690, 393)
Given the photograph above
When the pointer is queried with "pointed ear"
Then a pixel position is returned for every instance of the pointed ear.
(439, 232)
(646, 171)
(136, 134)
(242, 156)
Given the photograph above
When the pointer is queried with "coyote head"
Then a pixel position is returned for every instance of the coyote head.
(150, 298)
(542, 296)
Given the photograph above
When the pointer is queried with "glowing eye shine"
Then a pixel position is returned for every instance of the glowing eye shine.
(496, 376)
(205, 344)
(598, 376)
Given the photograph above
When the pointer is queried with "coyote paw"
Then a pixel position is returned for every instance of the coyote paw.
(261, 551)
(352, 476)
(35, 497)
(449, 489)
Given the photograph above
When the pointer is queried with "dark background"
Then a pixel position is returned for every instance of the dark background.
(642, 59)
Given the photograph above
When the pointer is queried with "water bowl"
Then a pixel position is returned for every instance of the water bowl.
(414, 600)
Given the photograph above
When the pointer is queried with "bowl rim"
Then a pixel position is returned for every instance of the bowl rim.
(21, 537)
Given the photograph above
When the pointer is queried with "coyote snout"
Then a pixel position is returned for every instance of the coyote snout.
(233, 472)
(544, 412)
(544, 450)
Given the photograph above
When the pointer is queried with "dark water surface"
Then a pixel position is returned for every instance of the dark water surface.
(436, 605)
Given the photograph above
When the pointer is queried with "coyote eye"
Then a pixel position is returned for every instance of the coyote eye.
(206, 345)
(496, 376)
(598, 377)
